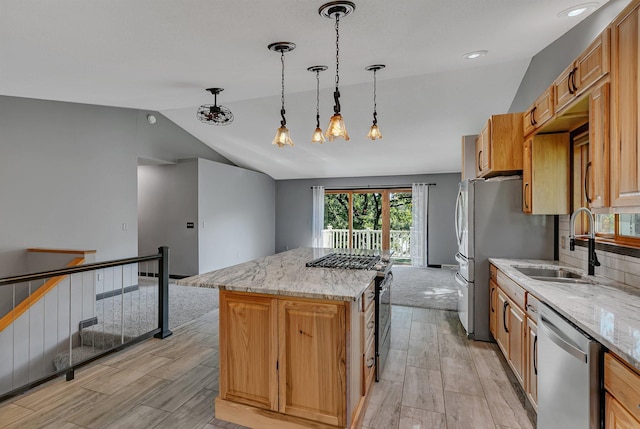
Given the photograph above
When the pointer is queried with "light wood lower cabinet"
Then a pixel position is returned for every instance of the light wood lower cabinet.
(293, 363)
(493, 303)
(532, 362)
(616, 416)
(622, 399)
(516, 323)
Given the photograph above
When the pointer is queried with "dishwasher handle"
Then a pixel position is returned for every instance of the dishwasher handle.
(555, 336)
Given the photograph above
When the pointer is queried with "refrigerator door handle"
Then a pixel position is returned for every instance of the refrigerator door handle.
(457, 218)
(461, 259)
(461, 281)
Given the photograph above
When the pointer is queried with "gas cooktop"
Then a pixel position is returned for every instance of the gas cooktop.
(346, 261)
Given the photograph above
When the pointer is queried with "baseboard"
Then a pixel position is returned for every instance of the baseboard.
(115, 292)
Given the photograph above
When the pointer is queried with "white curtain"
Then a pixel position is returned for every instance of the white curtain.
(419, 222)
(317, 218)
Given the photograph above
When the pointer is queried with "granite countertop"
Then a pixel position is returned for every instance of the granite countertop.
(606, 310)
(286, 274)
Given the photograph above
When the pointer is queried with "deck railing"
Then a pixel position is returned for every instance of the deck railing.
(370, 239)
(90, 311)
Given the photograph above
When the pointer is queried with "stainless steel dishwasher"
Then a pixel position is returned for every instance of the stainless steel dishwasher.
(569, 365)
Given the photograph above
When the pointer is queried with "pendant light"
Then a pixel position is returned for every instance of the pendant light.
(213, 114)
(282, 137)
(336, 10)
(317, 137)
(374, 131)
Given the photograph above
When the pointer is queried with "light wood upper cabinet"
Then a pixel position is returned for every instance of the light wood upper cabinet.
(587, 69)
(545, 184)
(625, 115)
(539, 112)
(499, 146)
(248, 350)
(312, 369)
(597, 169)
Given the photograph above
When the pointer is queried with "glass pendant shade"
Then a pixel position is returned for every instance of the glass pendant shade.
(317, 137)
(336, 128)
(282, 137)
(374, 132)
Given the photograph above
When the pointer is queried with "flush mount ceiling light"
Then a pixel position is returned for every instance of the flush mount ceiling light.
(317, 137)
(578, 10)
(374, 131)
(151, 119)
(213, 114)
(336, 10)
(475, 54)
(282, 137)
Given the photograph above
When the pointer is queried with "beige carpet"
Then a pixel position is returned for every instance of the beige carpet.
(424, 287)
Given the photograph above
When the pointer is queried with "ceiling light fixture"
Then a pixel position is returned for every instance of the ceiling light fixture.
(374, 131)
(475, 54)
(578, 10)
(213, 114)
(317, 137)
(336, 10)
(282, 137)
(151, 119)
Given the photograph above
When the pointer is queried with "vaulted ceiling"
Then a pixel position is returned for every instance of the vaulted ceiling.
(160, 55)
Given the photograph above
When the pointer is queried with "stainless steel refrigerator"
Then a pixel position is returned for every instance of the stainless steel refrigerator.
(490, 223)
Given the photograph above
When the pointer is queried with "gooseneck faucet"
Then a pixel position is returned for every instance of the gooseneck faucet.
(593, 259)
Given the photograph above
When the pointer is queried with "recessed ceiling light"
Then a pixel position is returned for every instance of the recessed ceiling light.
(578, 10)
(151, 119)
(475, 54)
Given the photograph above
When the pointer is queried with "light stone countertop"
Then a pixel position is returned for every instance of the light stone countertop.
(286, 274)
(607, 311)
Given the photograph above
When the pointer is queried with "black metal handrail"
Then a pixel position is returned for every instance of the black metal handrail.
(161, 331)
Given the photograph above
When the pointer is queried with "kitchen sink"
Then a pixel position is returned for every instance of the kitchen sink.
(551, 274)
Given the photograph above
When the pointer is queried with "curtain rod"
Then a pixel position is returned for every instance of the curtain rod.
(351, 188)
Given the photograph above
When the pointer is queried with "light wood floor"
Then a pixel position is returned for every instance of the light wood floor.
(434, 378)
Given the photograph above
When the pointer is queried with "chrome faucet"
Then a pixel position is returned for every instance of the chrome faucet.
(593, 259)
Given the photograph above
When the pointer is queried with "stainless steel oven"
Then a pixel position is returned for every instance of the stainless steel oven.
(383, 321)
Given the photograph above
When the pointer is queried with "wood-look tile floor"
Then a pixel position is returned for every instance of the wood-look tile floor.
(434, 378)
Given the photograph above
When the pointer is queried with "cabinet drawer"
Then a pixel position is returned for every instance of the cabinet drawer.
(368, 296)
(512, 289)
(532, 307)
(369, 367)
(623, 384)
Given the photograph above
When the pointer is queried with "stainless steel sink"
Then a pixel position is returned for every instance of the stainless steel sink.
(550, 274)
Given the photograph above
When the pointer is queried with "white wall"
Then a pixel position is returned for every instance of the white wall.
(236, 215)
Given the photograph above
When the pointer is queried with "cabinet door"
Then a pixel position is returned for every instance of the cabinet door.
(532, 362)
(479, 155)
(517, 326)
(502, 327)
(592, 64)
(248, 349)
(526, 176)
(616, 416)
(312, 368)
(493, 310)
(597, 172)
(625, 161)
(486, 137)
(564, 87)
(548, 175)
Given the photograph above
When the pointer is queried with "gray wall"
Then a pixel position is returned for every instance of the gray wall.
(167, 200)
(547, 64)
(236, 215)
(68, 175)
(294, 207)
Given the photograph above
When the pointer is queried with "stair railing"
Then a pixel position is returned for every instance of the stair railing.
(63, 326)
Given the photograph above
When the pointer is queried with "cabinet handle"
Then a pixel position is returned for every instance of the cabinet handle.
(533, 115)
(371, 324)
(532, 309)
(531, 118)
(573, 80)
(493, 310)
(372, 294)
(586, 182)
(535, 355)
(526, 204)
(370, 362)
(504, 316)
(569, 81)
(480, 160)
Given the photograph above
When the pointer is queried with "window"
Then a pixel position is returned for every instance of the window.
(368, 219)
(621, 228)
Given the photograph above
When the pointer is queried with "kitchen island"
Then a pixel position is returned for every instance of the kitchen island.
(296, 343)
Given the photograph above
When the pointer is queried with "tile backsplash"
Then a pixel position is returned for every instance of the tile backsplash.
(621, 268)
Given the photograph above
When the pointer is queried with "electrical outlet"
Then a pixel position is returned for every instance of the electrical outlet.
(124, 226)
(564, 242)
(100, 276)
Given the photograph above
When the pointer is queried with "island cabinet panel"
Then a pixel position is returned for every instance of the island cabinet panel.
(248, 350)
(625, 115)
(312, 369)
